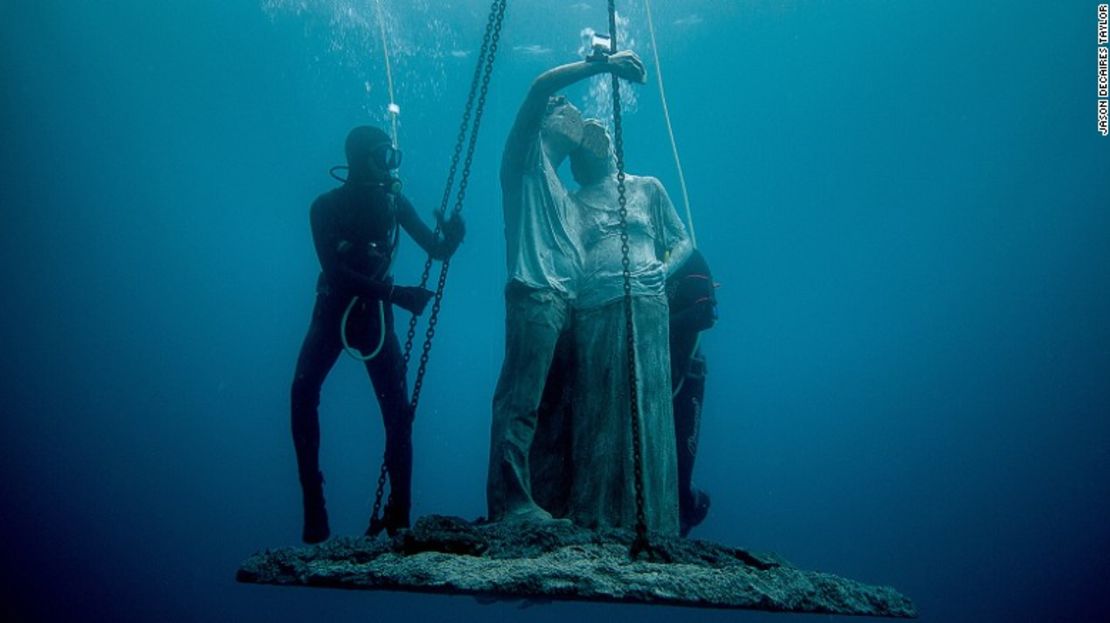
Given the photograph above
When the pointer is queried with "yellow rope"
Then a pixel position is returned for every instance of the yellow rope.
(670, 130)
(394, 109)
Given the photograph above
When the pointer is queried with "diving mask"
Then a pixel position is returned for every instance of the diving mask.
(386, 157)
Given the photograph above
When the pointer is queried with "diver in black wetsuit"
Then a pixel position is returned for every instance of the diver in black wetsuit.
(355, 230)
(693, 309)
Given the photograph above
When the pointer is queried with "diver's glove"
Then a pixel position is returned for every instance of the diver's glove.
(410, 298)
(453, 229)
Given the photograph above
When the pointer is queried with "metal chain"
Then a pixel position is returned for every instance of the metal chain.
(640, 544)
(376, 523)
(483, 70)
(460, 139)
(464, 183)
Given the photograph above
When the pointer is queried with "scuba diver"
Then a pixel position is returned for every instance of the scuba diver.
(355, 229)
(693, 309)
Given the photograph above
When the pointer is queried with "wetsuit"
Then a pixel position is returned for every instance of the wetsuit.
(354, 229)
(693, 309)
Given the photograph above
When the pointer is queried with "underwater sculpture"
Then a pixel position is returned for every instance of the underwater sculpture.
(545, 559)
(543, 268)
(648, 246)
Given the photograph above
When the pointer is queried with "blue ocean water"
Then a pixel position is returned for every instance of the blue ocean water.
(906, 204)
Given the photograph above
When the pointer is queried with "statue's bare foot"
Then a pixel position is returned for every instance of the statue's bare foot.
(534, 515)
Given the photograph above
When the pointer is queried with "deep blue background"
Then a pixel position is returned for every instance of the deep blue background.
(906, 204)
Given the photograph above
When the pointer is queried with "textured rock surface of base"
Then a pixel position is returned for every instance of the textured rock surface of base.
(448, 555)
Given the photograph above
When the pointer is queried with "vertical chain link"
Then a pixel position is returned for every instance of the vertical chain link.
(464, 183)
(479, 86)
(641, 544)
(460, 139)
(375, 524)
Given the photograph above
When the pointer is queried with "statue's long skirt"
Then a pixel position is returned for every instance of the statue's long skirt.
(602, 490)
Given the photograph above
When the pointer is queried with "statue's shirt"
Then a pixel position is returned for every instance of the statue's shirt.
(653, 227)
(538, 222)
